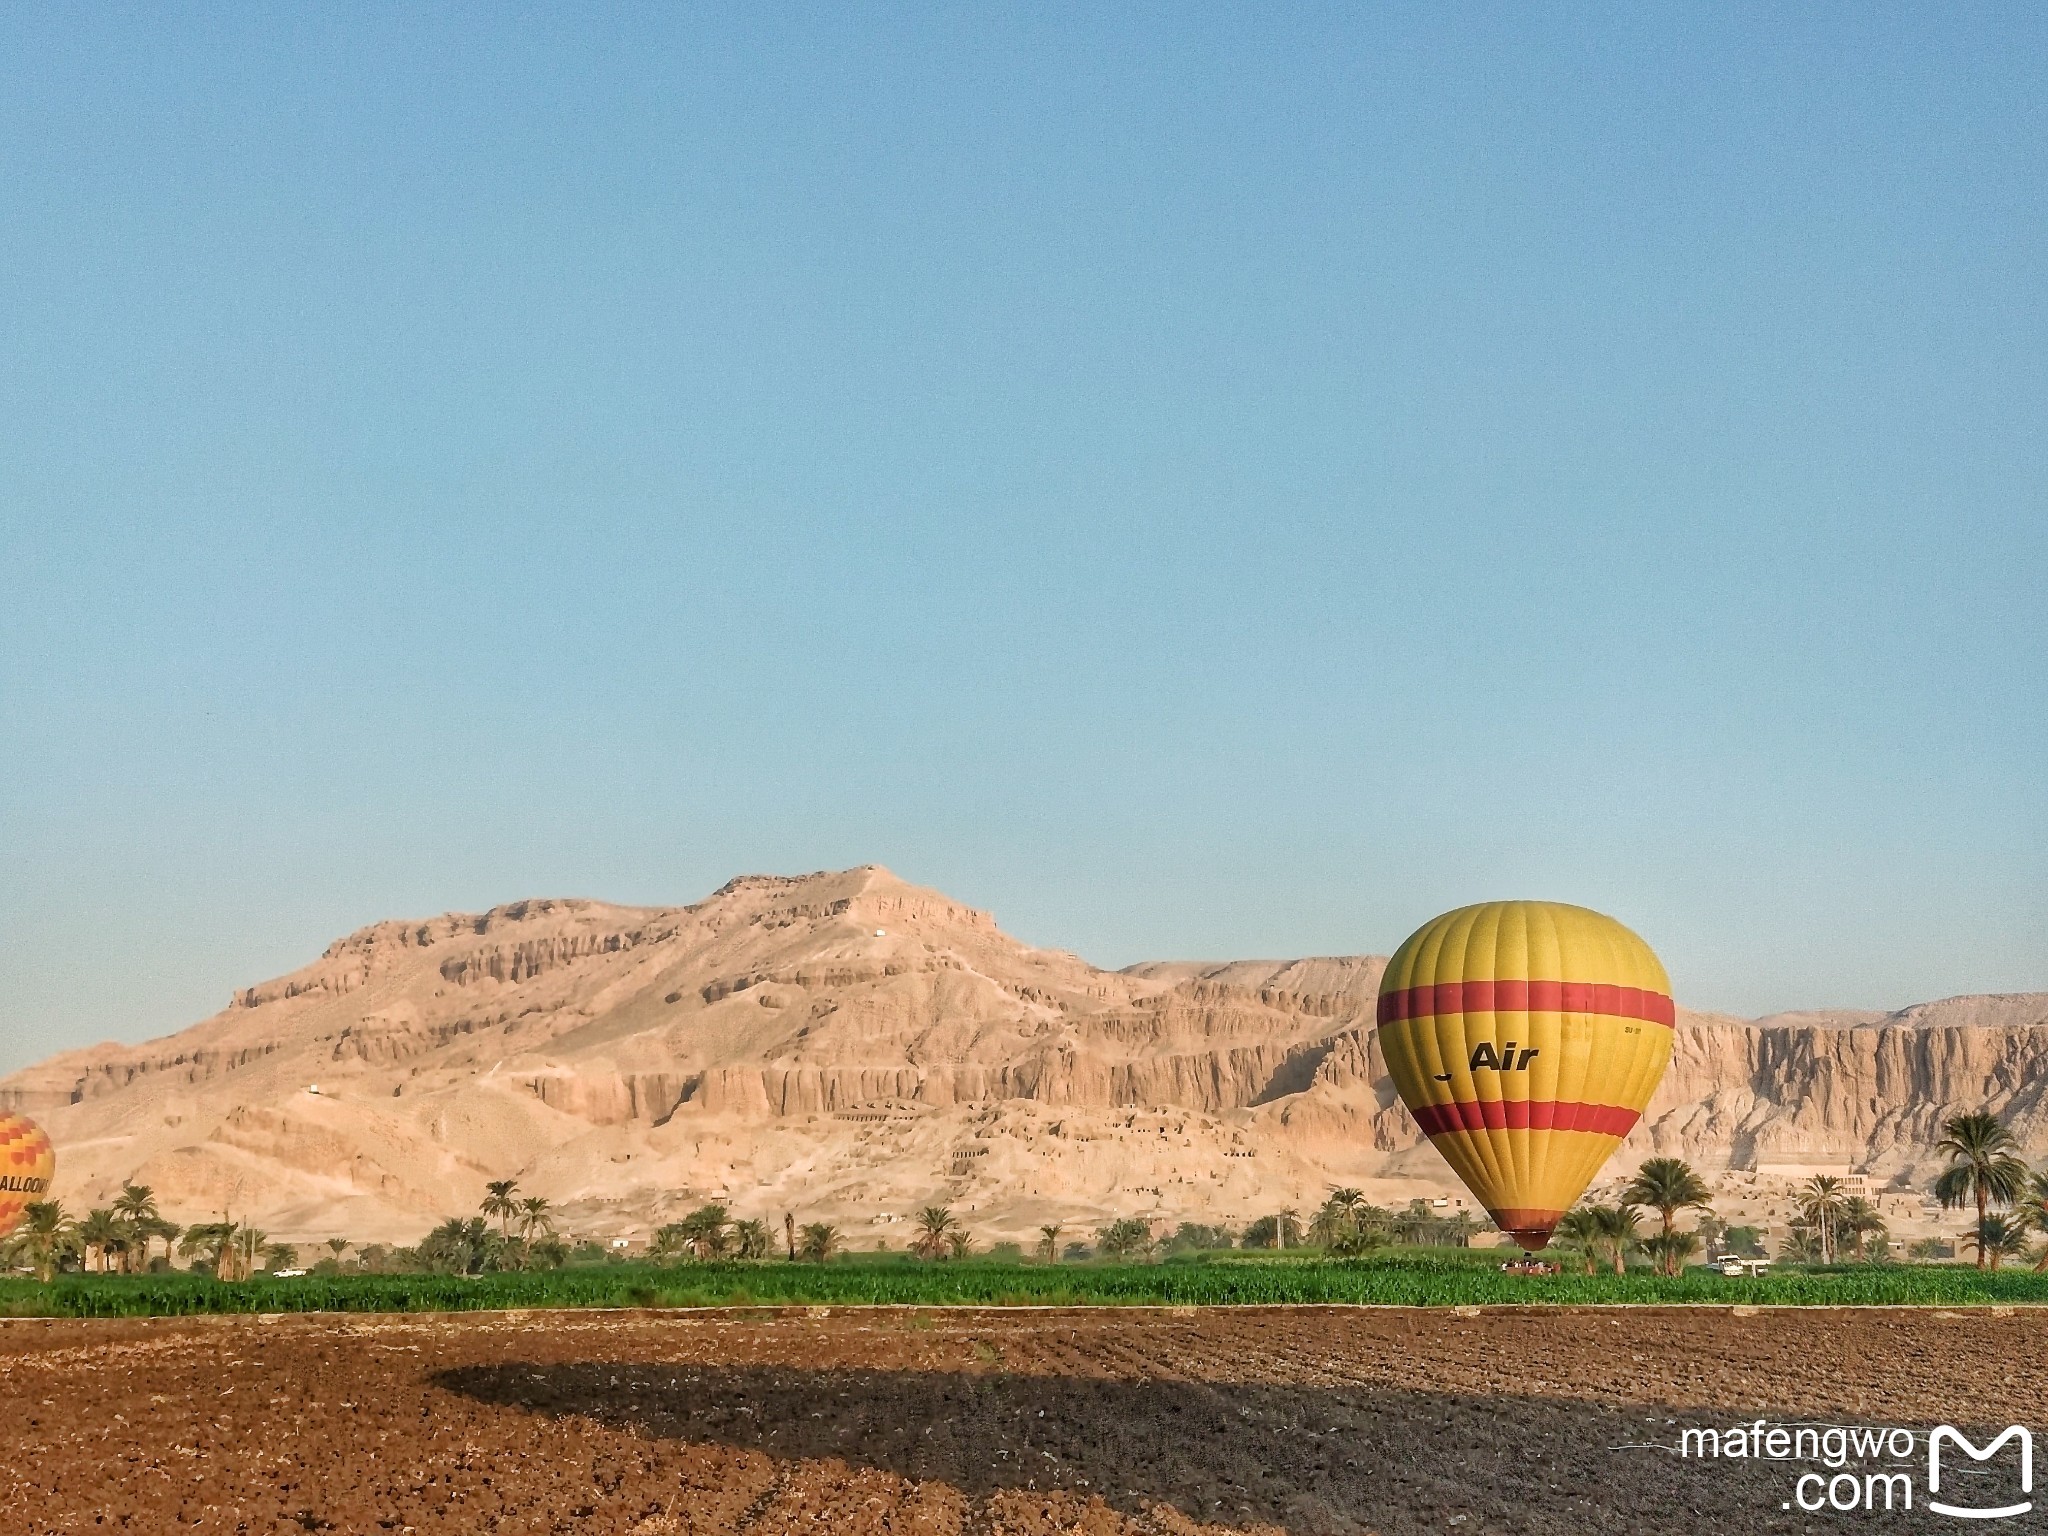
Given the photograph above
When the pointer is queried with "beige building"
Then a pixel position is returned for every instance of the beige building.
(1789, 1171)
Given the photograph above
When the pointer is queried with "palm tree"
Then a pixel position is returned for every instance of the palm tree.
(1997, 1237)
(499, 1202)
(2034, 1210)
(751, 1238)
(1346, 1225)
(205, 1242)
(216, 1245)
(1577, 1233)
(460, 1247)
(789, 1234)
(821, 1241)
(536, 1214)
(1861, 1221)
(1614, 1234)
(1672, 1250)
(704, 1229)
(1049, 1241)
(136, 1205)
(46, 1235)
(100, 1230)
(1414, 1223)
(1982, 1166)
(1802, 1245)
(152, 1228)
(1366, 1229)
(934, 1233)
(1331, 1221)
(959, 1243)
(1821, 1203)
(1667, 1185)
(549, 1253)
(123, 1252)
(1126, 1238)
(337, 1246)
(1712, 1229)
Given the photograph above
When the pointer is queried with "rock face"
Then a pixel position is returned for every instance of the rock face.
(848, 1047)
(1871, 1089)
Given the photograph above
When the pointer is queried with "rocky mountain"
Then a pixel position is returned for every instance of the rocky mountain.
(849, 1047)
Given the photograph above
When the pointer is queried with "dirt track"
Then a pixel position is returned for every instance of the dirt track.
(1300, 1420)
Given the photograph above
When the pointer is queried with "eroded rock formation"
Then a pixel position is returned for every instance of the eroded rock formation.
(849, 1046)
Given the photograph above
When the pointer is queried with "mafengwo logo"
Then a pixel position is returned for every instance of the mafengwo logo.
(1944, 1435)
(1870, 1469)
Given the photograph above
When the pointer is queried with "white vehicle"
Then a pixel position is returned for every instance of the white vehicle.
(1735, 1268)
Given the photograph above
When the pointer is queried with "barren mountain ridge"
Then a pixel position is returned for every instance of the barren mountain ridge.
(848, 1046)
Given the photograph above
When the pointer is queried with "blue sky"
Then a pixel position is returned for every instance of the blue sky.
(1193, 481)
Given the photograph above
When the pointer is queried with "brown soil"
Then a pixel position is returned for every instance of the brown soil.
(1297, 1420)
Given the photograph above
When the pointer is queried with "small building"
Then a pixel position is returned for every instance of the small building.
(1789, 1171)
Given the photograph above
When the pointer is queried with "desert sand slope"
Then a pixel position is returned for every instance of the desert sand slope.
(848, 1046)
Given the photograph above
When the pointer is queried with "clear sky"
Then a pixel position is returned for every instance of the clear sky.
(1195, 481)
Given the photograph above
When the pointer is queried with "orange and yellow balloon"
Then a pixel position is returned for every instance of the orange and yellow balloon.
(27, 1163)
(1525, 1037)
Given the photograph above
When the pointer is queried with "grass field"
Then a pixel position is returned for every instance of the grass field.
(1416, 1278)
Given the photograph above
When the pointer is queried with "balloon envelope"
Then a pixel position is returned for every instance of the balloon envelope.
(27, 1161)
(1525, 1037)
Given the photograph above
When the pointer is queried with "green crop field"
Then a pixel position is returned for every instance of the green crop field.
(1427, 1278)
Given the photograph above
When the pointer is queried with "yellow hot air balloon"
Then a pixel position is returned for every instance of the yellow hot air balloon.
(1525, 1037)
(27, 1163)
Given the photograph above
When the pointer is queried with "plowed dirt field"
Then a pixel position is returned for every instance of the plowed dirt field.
(1290, 1420)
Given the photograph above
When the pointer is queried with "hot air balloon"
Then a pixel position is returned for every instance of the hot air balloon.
(27, 1161)
(1525, 1037)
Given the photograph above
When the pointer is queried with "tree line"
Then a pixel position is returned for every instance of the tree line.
(120, 1238)
(1984, 1170)
(512, 1231)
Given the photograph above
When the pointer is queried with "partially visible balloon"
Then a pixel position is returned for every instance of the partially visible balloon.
(27, 1162)
(1525, 1037)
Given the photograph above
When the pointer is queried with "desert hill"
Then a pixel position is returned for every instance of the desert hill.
(849, 1046)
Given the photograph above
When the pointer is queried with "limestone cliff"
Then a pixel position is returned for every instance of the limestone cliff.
(850, 1046)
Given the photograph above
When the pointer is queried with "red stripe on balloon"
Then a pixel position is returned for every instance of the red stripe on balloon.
(1526, 1114)
(1527, 997)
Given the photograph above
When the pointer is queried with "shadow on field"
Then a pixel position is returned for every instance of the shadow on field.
(1310, 1460)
